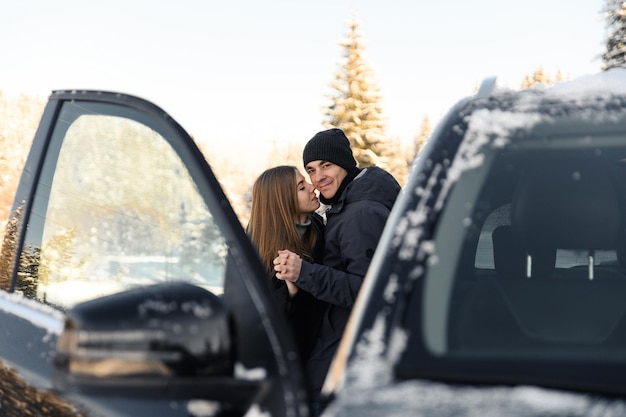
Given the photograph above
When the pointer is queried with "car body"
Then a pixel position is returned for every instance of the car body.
(497, 288)
(119, 259)
(129, 287)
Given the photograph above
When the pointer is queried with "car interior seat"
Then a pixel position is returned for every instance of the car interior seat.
(569, 206)
(562, 206)
(512, 260)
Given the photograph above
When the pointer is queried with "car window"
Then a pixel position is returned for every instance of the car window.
(115, 208)
(537, 265)
(565, 258)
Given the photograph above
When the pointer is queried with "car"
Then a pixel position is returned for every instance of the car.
(129, 287)
(498, 285)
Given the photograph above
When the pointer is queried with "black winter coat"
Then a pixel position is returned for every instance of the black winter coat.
(304, 312)
(353, 228)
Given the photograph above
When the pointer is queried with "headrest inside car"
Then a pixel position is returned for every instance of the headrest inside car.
(566, 206)
(510, 258)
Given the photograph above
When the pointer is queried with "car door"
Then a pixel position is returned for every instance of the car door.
(116, 198)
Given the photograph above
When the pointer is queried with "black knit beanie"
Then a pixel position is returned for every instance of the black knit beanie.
(330, 145)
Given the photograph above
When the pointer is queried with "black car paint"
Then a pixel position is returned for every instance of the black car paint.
(392, 298)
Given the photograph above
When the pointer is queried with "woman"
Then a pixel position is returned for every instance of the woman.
(283, 216)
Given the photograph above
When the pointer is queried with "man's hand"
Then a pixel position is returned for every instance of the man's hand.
(287, 265)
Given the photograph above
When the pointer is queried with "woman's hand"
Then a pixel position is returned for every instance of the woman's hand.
(291, 288)
(287, 265)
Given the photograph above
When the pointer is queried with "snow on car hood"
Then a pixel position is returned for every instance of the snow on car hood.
(370, 391)
(427, 399)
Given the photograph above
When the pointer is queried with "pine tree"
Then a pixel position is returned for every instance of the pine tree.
(558, 77)
(355, 104)
(396, 155)
(540, 77)
(286, 154)
(20, 117)
(615, 55)
(422, 136)
(9, 248)
(537, 77)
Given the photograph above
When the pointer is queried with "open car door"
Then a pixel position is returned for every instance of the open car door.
(130, 278)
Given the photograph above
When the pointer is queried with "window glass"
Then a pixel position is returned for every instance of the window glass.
(565, 258)
(115, 208)
(484, 251)
(529, 253)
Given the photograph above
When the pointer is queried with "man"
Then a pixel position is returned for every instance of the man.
(360, 201)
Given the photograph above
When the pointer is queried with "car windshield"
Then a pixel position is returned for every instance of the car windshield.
(541, 265)
(528, 258)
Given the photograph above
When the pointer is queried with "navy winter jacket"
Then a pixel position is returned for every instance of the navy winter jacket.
(353, 228)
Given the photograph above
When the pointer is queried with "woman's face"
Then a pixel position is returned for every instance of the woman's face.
(307, 199)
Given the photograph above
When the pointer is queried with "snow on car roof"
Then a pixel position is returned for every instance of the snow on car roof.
(604, 83)
(593, 94)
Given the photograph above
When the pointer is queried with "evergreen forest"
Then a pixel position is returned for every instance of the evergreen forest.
(353, 103)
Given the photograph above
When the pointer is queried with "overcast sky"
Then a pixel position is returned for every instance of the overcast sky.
(240, 74)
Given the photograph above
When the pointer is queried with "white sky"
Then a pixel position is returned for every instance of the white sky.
(241, 74)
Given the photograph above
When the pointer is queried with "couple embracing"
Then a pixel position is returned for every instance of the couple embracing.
(317, 264)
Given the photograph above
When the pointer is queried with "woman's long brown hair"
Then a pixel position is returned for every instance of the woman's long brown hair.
(274, 214)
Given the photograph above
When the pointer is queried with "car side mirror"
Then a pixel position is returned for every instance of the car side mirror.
(164, 341)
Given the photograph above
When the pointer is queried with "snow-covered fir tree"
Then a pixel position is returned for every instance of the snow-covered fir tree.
(355, 103)
(422, 136)
(615, 55)
(537, 77)
(396, 157)
(541, 77)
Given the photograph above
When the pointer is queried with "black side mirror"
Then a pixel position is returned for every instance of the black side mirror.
(164, 341)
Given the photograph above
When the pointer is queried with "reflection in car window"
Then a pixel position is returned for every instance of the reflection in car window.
(121, 211)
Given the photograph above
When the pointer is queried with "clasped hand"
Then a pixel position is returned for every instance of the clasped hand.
(287, 265)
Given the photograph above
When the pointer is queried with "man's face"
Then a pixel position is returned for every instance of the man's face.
(326, 177)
